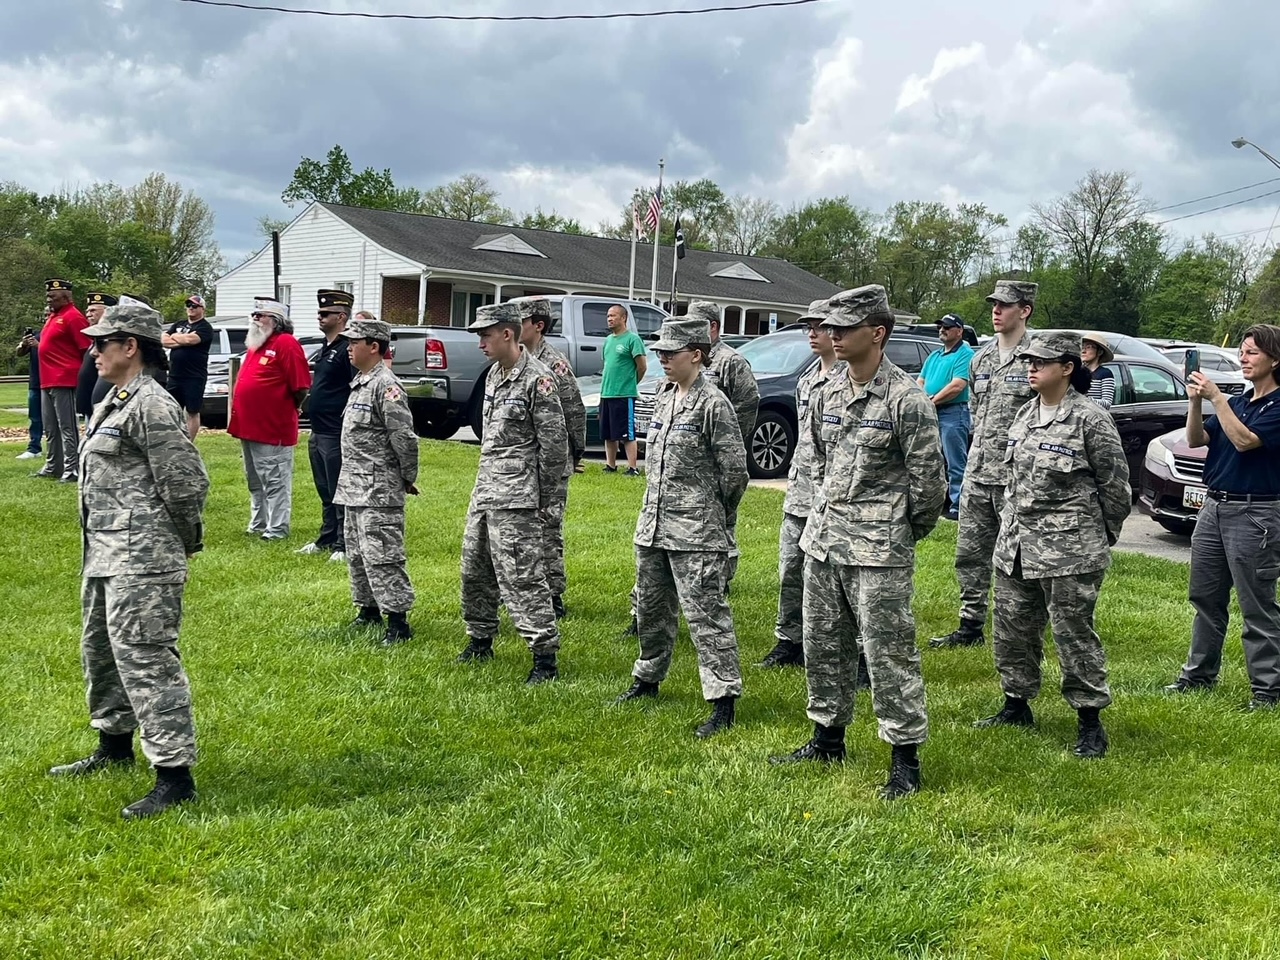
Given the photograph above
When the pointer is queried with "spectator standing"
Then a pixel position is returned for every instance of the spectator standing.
(188, 342)
(945, 379)
(625, 364)
(96, 305)
(62, 347)
(330, 388)
(1095, 351)
(269, 392)
(30, 346)
(1237, 537)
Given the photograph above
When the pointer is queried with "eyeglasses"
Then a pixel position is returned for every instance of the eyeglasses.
(100, 343)
(668, 354)
(1039, 363)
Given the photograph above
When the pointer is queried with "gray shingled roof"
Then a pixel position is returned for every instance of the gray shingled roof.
(577, 260)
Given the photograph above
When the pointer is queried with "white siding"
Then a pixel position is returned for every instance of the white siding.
(317, 251)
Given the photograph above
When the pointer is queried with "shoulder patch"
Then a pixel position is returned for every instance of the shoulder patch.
(393, 392)
(561, 368)
(546, 386)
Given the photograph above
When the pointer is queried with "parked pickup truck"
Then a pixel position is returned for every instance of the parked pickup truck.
(443, 370)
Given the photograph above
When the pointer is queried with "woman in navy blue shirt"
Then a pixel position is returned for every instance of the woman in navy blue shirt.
(1237, 537)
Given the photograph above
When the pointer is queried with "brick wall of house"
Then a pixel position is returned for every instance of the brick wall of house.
(399, 301)
(439, 300)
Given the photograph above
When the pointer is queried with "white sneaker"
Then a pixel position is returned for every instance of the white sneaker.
(28, 455)
(338, 557)
(310, 549)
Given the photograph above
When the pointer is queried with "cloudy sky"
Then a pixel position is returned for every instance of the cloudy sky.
(1007, 102)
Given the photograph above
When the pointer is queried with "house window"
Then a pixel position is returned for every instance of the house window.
(464, 307)
(346, 286)
(286, 294)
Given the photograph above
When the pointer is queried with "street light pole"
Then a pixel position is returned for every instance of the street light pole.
(1240, 142)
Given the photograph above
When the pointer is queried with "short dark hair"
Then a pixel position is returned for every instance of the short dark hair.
(885, 320)
(153, 356)
(704, 349)
(1266, 337)
(383, 346)
(1081, 376)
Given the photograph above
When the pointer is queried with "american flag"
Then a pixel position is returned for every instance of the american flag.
(655, 209)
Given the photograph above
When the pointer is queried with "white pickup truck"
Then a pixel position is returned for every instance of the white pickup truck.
(441, 367)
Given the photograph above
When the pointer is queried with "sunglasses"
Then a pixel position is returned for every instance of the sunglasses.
(100, 343)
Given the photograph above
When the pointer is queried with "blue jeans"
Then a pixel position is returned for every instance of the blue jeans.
(954, 422)
(37, 421)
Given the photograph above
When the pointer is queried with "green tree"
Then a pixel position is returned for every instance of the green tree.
(334, 180)
(829, 237)
(1087, 224)
(550, 221)
(1183, 303)
(470, 197)
(1261, 304)
(750, 222)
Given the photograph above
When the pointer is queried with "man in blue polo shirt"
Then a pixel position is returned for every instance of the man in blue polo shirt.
(945, 380)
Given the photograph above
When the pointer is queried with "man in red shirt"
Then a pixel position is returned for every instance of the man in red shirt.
(269, 391)
(62, 350)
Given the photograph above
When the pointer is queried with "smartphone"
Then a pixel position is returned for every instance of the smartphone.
(1192, 363)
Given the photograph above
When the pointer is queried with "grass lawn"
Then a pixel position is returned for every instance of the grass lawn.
(363, 803)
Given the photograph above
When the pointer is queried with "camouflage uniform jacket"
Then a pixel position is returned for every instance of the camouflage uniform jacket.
(878, 476)
(142, 485)
(729, 370)
(575, 414)
(525, 449)
(379, 447)
(800, 478)
(696, 470)
(996, 392)
(1068, 492)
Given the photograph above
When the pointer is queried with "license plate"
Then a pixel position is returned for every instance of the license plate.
(1193, 497)
(642, 427)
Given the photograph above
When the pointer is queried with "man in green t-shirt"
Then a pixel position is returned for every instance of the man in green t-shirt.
(625, 363)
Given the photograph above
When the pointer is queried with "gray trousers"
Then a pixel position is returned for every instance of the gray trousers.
(324, 451)
(1236, 545)
(376, 560)
(502, 563)
(790, 624)
(58, 410)
(269, 471)
(980, 507)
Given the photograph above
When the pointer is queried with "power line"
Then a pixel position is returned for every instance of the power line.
(1215, 196)
(633, 15)
(1199, 213)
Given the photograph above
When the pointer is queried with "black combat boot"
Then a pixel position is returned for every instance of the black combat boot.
(114, 750)
(477, 649)
(968, 634)
(785, 654)
(827, 746)
(638, 691)
(1016, 712)
(544, 669)
(367, 617)
(721, 718)
(173, 786)
(398, 630)
(1092, 741)
(904, 774)
(558, 607)
(863, 680)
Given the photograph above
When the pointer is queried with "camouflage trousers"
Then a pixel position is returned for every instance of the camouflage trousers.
(790, 623)
(376, 560)
(553, 538)
(841, 603)
(668, 581)
(980, 507)
(502, 563)
(133, 674)
(1023, 607)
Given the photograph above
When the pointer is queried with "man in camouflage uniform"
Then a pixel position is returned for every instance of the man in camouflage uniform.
(1066, 501)
(142, 494)
(523, 459)
(379, 466)
(879, 487)
(998, 388)
(537, 321)
(695, 477)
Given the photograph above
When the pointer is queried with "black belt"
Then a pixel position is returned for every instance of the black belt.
(1223, 497)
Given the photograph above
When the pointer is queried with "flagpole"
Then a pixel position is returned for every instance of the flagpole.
(675, 263)
(631, 275)
(657, 235)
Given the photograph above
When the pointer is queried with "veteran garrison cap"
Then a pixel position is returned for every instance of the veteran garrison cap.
(703, 310)
(273, 307)
(131, 317)
(338, 299)
(56, 284)
(853, 308)
(101, 299)
(1014, 291)
(1051, 346)
(493, 314)
(368, 330)
(682, 332)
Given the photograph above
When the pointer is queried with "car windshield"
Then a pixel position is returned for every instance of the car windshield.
(777, 353)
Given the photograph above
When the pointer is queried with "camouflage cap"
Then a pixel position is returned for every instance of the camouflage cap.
(682, 332)
(131, 318)
(1014, 291)
(853, 308)
(493, 314)
(704, 310)
(818, 310)
(534, 307)
(1051, 346)
(367, 330)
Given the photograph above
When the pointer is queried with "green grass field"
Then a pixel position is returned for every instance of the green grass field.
(364, 803)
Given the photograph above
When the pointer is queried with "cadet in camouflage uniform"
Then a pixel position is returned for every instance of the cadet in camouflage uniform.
(536, 316)
(379, 466)
(142, 493)
(1067, 498)
(998, 388)
(523, 459)
(789, 632)
(879, 487)
(696, 475)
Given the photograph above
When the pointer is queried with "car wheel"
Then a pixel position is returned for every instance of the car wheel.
(438, 427)
(773, 441)
(1183, 528)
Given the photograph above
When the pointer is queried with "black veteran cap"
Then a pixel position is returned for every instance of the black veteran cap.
(56, 284)
(101, 299)
(336, 299)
